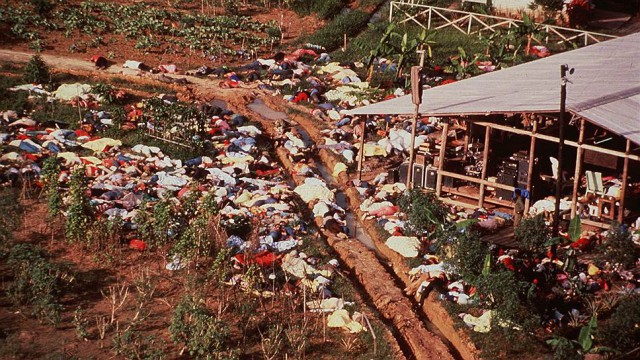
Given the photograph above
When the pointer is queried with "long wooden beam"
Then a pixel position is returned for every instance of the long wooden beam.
(532, 157)
(443, 147)
(623, 191)
(474, 180)
(578, 173)
(556, 140)
(485, 158)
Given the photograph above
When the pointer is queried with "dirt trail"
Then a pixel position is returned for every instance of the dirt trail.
(377, 282)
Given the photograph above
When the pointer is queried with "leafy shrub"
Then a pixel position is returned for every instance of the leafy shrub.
(331, 35)
(464, 252)
(50, 179)
(37, 282)
(326, 9)
(533, 234)
(36, 71)
(424, 212)
(10, 219)
(619, 247)
(195, 327)
(503, 292)
(79, 213)
(621, 331)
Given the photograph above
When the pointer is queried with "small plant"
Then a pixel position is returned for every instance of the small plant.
(533, 234)
(80, 322)
(79, 213)
(271, 343)
(619, 247)
(197, 330)
(36, 71)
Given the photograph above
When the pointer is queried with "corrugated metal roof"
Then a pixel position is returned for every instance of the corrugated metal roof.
(605, 89)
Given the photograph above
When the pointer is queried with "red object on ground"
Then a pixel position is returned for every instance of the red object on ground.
(267, 172)
(448, 81)
(263, 259)
(138, 245)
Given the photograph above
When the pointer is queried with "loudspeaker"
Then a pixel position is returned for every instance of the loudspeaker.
(430, 178)
(402, 173)
(418, 176)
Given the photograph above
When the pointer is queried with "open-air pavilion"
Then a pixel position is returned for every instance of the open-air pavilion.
(507, 136)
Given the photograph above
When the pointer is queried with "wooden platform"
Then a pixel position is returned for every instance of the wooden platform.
(504, 237)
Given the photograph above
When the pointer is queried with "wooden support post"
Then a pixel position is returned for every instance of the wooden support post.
(361, 152)
(466, 141)
(625, 174)
(443, 146)
(578, 172)
(485, 158)
(532, 158)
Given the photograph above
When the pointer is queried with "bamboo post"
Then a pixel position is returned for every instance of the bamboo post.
(466, 141)
(532, 158)
(443, 145)
(344, 46)
(625, 174)
(577, 174)
(485, 158)
(361, 152)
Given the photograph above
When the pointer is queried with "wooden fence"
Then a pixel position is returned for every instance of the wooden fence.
(431, 17)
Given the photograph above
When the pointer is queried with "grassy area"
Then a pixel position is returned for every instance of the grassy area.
(331, 35)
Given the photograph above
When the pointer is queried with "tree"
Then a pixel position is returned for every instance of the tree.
(529, 30)
(36, 71)
(408, 47)
(382, 49)
(621, 331)
(463, 252)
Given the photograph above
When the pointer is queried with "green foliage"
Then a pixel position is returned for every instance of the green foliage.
(331, 35)
(105, 91)
(104, 234)
(502, 292)
(621, 331)
(10, 219)
(425, 213)
(619, 247)
(463, 252)
(163, 214)
(575, 229)
(325, 9)
(51, 185)
(42, 7)
(195, 327)
(36, 71)
(79, 212)
(533, 234)
(37, 282)
(548, 5)
(80, 322)
(131, 344)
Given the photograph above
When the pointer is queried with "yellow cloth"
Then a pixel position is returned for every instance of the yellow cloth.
(69, 157)
(339, 168)
(341, 319)
(234, 159)
(100, 144)
(593, 270)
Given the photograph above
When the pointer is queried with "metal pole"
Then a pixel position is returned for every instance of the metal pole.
(563, 99)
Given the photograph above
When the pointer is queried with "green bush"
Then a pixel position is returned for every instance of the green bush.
(425, 213)
(36, 71)
(325, 9)
(619, 247)
(196, 328)
(79, 213)
(533, 234)
(464, 252)
(331, 35)
(37, 282)
(621, 331)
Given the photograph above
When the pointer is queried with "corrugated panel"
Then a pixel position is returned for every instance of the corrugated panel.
(603, 89)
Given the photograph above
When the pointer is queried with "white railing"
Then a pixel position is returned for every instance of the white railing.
(431, 17)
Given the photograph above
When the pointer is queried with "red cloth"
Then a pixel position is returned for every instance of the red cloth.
(138, 245)
(263, 259)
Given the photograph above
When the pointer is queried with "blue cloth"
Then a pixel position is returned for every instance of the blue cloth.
(523, 192)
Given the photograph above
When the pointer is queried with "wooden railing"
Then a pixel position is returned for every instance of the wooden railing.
(431, 17)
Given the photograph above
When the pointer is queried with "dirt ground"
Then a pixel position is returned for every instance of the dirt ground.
(293, 26)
